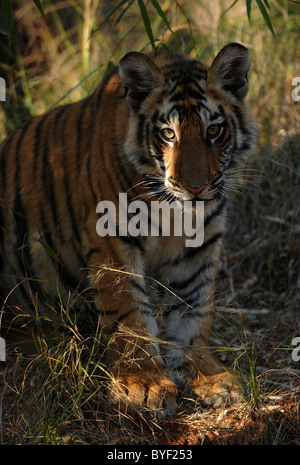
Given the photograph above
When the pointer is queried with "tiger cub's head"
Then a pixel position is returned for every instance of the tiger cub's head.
(188, 124)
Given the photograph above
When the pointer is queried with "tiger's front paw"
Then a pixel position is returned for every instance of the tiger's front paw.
(144, 391)
(213, 390)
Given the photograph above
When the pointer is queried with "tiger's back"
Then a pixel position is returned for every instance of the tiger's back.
(160, 127)
(46, 191)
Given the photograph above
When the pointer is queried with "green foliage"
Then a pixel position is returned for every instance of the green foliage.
(6, 15)
(144, 15)
(265, 14)
(6, 18)
(39, 6)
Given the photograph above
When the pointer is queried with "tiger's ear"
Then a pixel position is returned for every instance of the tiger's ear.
(139, 76)
(229, 70)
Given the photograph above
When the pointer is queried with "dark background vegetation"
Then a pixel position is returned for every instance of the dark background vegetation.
(51, 388)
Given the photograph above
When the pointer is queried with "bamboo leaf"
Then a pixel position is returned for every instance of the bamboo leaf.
(4, 29)
(248, 5)
(161, 14)
(124, 11)
(267, 4)
(39, 7)
(146, 20)
(265, 15)
(149, 43)
(123, 2)
(6, 19)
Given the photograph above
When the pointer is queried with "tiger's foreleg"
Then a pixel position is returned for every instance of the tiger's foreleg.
(189, 357)
(206, 380)
(140, 378)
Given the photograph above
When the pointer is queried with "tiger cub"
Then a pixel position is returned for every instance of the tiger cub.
(160, 128)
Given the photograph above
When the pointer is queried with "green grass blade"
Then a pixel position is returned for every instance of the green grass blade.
(124, 11)
(161, 14)
(248, 5)
(6, 19)
(39, 7)
(4, 29)
(51, 252)
(265, 16)
(267, 4)
(147, 23)
(123, 2)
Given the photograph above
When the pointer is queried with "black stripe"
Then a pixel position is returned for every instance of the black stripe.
(215, 212)
(109, 312)
(122, 318)
(4, 156)
(132, 241)
(121, 182)
(140, 131)
(68, 192)
(136, 285)
(155, 116)
(49, 183)
(89, 175)
(245, 146)
(22, 249)
(96, 99)
(239, 115)
(37, 139)
(59, 112)
(180, 95)
(196, 94)
(207, 243)
(222, 111)
(172, 338)
(66, 276)
(122, 168)
(145, 307)
(233, 133)
(193, 251)
(93, 251)
(214, 116)
(162, 119)
(70, 208)
(188, 295)
(158, 153)
(180, 285)
(79, 130)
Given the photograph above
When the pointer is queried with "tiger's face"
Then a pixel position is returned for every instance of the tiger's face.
(191, 142)
(189, 124)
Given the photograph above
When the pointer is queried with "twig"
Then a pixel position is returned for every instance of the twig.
(249, 311)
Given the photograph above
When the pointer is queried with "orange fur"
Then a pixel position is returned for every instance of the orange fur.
(58, 167)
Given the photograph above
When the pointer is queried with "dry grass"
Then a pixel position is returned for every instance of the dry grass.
(52, 388)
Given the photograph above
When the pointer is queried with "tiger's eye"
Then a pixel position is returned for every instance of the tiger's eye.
(214, 131)
(168, 134)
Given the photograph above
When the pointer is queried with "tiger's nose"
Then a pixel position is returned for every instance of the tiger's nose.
(195, 190)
